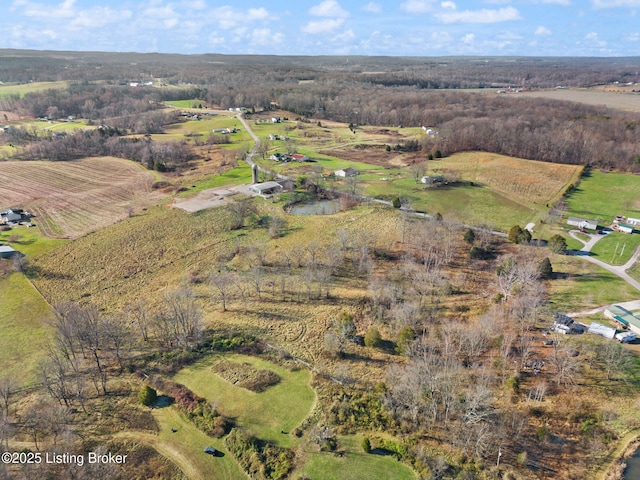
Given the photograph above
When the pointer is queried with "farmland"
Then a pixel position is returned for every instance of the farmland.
(418, 333)
(71, 199)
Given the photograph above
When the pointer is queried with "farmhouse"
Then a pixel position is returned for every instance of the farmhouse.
(275, 119)
(346, 172)
(266, 189)
(298, 157)
(582, 223)
(6, 251)
(14, 215)
(623, 317)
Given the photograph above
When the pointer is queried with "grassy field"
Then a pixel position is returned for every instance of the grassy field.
(281, 407)
(591, 96)
(185, 446)
(23, 318)
(73, 198)
(354, 465)
(616, 248)
(24, 88)
(580, 285)
(603, 195)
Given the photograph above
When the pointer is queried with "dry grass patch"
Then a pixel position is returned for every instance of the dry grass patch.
(526, 181)
(71, 199)
(246, 375)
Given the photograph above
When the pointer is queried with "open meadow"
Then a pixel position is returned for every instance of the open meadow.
(597, 96)
(71, 199)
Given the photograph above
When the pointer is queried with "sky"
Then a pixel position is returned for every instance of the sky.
(326, 27)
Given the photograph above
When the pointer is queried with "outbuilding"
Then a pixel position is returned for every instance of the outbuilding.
(623, 317)
(346, 172)
(266, 189)
(6, 251)
(624, 228)
(582, 223)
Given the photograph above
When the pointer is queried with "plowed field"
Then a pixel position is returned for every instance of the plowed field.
(71, 199)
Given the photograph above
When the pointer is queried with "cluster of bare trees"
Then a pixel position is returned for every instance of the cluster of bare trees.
(81, 144)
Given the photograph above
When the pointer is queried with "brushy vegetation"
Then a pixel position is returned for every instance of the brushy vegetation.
(260, 460)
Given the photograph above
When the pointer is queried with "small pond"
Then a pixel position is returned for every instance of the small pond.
(632, 472)
(318, 207)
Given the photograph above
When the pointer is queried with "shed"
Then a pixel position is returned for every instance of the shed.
(599, 329)
(266, 189)
(624, 228)
(633, 221)
(6, 251)
(346, 172)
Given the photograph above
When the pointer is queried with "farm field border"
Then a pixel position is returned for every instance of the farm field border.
(71, 199)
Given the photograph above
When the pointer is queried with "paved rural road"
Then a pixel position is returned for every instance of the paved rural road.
(619, 270)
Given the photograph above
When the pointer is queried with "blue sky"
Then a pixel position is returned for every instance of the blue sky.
(327, 27)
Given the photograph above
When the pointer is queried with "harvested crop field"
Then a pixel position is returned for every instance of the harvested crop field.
(527, 181)
(622, 100)
(71, 199)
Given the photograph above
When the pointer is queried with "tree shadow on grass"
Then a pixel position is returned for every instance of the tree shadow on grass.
(383, 452)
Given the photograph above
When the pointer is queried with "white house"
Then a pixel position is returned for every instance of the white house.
(6, 251)
(633, 221)
(435, 179)
(346, 172)
(582, 223)
(275, 119)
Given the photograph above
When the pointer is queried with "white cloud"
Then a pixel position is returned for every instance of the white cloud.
(328, 8)
(542, 31)
(633, 37)
(593, 39)
(468, 38)
(448, 5)
(372, 7)
(480, 16)
(417, 6)
(323, 26)
(29, 9)
(615, 3)
(99, 17)
(258, 14)
(264, 36)
(564, 3)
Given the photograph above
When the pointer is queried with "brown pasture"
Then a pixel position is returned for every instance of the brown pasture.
(617, 98)
(71, 199)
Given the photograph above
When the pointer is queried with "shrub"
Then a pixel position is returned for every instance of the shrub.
(366, 445)
(541, 433)
(372, 338)
(397, 203)
(404, 339)
(147, 396)
(513, 383)
(470, 236)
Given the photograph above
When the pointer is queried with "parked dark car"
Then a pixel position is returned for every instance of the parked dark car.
(210, 451)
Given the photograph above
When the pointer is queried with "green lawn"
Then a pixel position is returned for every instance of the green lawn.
(581, 285)
(29, 241)
(281, 407)
(185, 448)
(616, 248)
(355, 464)
(602, 196)
(24, 88)
(235, 176)
(185, 103)
(23, 318)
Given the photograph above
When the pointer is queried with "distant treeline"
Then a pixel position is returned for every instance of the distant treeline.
(212, 69)
(362, 91)
(102, 142)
